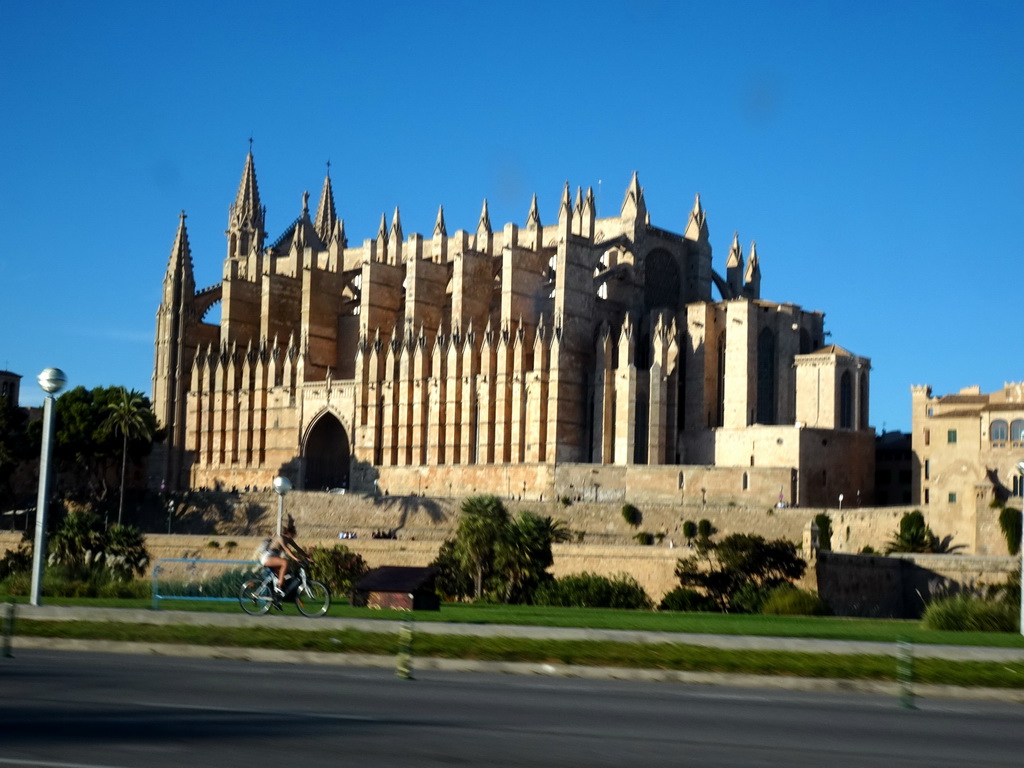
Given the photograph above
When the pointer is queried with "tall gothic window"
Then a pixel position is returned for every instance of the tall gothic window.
(998, 431)
(766, 377)
(846, 401)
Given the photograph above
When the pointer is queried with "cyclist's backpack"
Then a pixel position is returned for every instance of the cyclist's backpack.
(261, 550)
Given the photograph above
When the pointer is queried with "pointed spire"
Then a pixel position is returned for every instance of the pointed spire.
(696, 225)
(338, 234)
(633, 205)
(439, 228)
(533, 217)
(326, 218)
(753, 272)
(382, 231)
(181, 251)
(565, 206)
(578, 207)
(396, 227)
(484, 225)
(735, 258)
(246, 210)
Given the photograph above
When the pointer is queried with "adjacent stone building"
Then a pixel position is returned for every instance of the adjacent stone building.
(529, 360)
(966, 450)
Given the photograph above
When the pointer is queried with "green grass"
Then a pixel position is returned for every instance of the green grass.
(832, 628)
(666, 656)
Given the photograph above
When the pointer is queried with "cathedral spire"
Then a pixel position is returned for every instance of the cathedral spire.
(633, 205)
(439, 228)
(180, 262)
(326, 217)
(246, 212)
(752, 276)
(396, 227)
(734, 268)
(533, 217)
(696, 225)
(484, 225)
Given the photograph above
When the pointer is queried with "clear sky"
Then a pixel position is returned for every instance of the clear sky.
(872, 149)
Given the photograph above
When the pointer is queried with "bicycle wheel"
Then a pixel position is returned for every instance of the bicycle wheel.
(313, 600)
(254, 597)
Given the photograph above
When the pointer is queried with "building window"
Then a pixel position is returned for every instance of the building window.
(1017, 430)
(952, 498)
(1018, 485)
(927, 437)
(746, 481)
(926, 495)
(845, 401)
(927, 469)
(951, 436)
(997, 431)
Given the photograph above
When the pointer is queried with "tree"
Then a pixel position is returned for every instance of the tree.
(740, 569)
(13, 444)
(127, 416)
(482, 522)
(522, 555)
(914, 535)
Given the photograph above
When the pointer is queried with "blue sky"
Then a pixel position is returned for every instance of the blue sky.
(873, 151)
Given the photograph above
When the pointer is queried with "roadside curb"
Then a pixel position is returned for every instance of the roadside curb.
(420, 664)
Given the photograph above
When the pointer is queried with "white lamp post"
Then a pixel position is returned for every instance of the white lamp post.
(840, 502)
(52, 381)
(282, 485)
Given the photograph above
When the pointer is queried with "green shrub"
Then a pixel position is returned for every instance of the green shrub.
(685, 599)
(631, 515)
(213, 544)
(690, 530)
(589, 590)
(705, 529)
(124, 552)
(788, 600)
(749, 598)
(451, 579)
(337, 567)
(16, 561)
(968, 613)
(644, 539)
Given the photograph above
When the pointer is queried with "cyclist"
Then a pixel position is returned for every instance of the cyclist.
(279, 552)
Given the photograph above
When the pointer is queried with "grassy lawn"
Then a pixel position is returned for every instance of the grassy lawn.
(879, 630)
(666, 656)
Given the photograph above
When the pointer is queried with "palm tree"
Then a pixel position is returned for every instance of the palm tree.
(482, 522)
(127, 415)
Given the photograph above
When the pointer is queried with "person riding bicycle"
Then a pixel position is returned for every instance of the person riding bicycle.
(280, 551)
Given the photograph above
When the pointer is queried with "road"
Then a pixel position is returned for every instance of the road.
(96, 710)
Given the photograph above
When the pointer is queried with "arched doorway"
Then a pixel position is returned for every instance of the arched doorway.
(326, 455)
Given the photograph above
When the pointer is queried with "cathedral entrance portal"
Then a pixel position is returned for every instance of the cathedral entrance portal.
(326, 455)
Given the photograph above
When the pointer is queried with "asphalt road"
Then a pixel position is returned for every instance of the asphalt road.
(87, 710)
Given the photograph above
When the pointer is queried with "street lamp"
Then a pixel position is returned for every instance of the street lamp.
(840, 502)
(1020, 469)
(52, 381)
(282, 485)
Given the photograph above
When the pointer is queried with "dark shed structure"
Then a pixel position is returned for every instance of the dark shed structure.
(397, 587)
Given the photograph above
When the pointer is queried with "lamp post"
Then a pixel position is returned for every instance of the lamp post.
(1020, 469)
(282, 485)
(840, 502)
(52, 381)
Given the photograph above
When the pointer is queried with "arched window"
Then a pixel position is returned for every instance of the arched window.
(998, 431)
(1017, 430)
(846, 401)
(661, 281)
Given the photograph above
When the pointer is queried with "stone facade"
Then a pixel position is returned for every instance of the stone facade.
(491, 360)
(966, 450)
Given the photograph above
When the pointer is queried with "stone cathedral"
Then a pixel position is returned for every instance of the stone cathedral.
(585, 357)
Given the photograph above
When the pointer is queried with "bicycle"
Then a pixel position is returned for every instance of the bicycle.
(312, 598)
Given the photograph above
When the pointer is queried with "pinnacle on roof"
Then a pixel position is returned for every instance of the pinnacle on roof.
(396, 227)
(484, 225)
(439, 228)
(338, 233)
(633, 204)
(181, 252)
(589, 201)
(578, 207)
(565, 206)
(533, 217)
(753, 267)
(735, 258)
(382, 231)
(696, 225)
(246, 210)
(326, 218)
